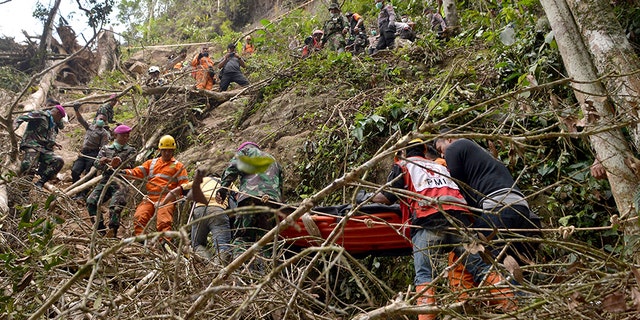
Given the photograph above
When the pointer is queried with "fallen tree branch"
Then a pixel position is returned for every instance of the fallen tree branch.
(214, 95)
(82, 180)
(83, 186)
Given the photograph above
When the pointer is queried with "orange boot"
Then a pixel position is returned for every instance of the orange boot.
(502, 297)
(460, 279)
(427, 298)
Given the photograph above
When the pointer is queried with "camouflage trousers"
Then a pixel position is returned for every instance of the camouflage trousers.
(335, 42)
(251, 227)
(45, 163)
(118, 196)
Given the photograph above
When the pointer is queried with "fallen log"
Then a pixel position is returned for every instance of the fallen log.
(82, 180)
(83, 186)
(214, 95)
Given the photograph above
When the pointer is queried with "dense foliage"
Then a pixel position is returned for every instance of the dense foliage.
(498, 91)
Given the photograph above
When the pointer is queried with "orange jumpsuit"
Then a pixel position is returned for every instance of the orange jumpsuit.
(161, 177)
(248, 49)
(201, 72)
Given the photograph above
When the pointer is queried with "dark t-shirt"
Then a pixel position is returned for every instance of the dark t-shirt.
(476, 171)
(232, 66)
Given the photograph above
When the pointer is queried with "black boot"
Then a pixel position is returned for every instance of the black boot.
(112, 233)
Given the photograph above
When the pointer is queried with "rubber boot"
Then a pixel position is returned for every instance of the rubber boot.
(502, 297)
(460, 280)
(427, 298)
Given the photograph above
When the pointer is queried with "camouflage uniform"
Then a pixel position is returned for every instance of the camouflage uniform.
(94, 139)
(107, 110)
(358, 43)
(250, 228)
(114, 190)
(333, 37)
(37, 143)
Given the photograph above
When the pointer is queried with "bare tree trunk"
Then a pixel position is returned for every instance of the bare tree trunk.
(612, 53)
(610, 146)
(451, 13)
(107, 49)
(45, 38)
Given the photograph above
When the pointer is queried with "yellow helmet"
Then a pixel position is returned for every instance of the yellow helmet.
(415, 141)
(167, 142)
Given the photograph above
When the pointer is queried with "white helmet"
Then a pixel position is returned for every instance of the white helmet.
(153, 69)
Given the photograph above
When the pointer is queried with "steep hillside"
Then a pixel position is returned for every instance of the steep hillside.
(322, 118)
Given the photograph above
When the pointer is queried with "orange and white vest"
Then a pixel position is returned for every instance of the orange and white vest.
(434, 185)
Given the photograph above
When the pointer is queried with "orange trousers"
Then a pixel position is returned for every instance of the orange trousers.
(144, 212)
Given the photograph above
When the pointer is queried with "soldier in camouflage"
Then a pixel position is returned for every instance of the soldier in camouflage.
(38, 141)
(96, 136)
(107, 108)
(259, 189)
(119, 155)
(334, 29)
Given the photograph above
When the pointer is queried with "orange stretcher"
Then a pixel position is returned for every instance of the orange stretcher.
(375, 229)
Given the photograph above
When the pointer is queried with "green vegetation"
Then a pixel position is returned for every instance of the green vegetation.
(353, 105)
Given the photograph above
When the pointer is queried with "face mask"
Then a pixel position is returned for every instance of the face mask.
(99, 123)
(373, 32)
(117, 145)
(379, 5)
(60, 124)
(404, 20)
(205, 54)
(334, 15)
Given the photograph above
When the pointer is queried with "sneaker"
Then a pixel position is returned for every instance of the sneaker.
(202, 252)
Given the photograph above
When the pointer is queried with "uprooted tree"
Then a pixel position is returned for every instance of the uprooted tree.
(346, 117)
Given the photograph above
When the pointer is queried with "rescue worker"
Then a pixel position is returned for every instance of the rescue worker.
(358, 42)
(97, 135)
(38, 141)
(162, 174)
(202, 190)
(203, 70)
(248, 48)
(312, 43)
(230, 69)
(487, 184)
(404, 29)
(118, 154)
(259, 189)
(335, 29)
(355, 21)
(436, 22)
(107, 108)
(386, 25)
(440, 201)
(154, 79)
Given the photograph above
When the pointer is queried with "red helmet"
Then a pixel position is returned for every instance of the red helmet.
(318, 31)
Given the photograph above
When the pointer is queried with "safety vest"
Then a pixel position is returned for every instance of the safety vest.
(161, 176)
(433, 182)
